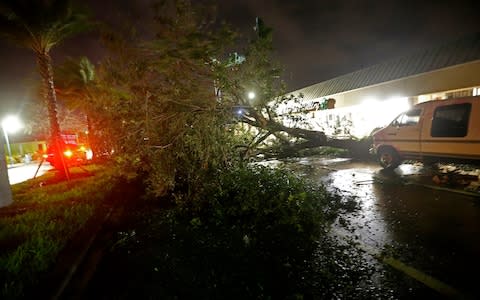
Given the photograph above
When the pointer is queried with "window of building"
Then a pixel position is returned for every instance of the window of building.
(451, 120)
(460, 94)
(409, 118)
(476, 91)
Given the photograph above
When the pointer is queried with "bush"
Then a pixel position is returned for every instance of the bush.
(262, 206)
(249, 234)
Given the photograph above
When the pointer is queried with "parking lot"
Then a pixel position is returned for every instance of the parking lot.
(416, 221)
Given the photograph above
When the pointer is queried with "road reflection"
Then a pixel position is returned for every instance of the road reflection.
(367, 224)
(433, 230)
(23, 172)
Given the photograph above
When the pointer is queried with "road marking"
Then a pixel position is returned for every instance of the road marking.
(440, 188)
(427, 280)
(412, 272)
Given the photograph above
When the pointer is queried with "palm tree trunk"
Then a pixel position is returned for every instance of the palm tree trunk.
(44, 62)
(5, 190)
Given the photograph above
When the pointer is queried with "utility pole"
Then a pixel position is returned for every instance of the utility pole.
(5, 190)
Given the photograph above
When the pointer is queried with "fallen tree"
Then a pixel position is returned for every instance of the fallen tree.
(252, 85)
(277, 121)
(357, 148)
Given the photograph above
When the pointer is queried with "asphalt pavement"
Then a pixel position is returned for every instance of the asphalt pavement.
(423, 224)
(21, 172)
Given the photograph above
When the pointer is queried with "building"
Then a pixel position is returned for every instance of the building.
(370, 98)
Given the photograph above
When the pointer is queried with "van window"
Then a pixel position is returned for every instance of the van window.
(451, 120)
(408, 118)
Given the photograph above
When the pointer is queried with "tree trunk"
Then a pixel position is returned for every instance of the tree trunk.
(357, 148)
(5, 190)
(313, 136)
(44, 62)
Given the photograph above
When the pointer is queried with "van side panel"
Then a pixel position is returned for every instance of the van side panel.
(406, 138)
(467, 147)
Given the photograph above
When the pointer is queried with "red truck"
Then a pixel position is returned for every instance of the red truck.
(74, 153)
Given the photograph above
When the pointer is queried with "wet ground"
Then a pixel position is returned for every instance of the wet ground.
(412, 220)
(420, 232)
(22, 172)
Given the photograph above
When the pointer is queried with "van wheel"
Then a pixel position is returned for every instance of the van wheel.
(388, 158)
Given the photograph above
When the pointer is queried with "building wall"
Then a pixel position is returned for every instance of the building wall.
(360, 111)
(451, 78)
(20, 149)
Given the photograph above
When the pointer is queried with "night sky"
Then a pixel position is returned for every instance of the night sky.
(314, 40)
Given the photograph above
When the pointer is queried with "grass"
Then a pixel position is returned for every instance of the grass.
(45, 215)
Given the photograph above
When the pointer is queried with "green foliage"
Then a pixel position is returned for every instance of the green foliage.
(80, 92)
(164, 119)
(259, 225)
(274, 114)
(255, 72)
(241, 197)
(40, 25)
(252, 233)
(75, 84)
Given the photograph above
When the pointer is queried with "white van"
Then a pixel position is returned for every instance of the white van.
(440, 130)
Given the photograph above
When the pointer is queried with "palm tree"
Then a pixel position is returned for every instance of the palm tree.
(76, 87)
(40, 25)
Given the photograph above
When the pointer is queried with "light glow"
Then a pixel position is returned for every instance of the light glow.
(399, 104)
(476, 91)
(11, 124)
(379, 113)
(251, 95)
(360, 120)
(370, 102)
(68, 153)
(89, 154)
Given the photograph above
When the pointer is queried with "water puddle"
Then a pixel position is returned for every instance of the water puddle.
(366, 224)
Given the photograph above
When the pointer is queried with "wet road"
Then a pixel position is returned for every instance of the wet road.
(23, 172)
(430, 235)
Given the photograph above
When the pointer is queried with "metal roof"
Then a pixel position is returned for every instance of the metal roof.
(458, 52)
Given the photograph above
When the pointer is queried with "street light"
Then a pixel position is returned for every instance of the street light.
(10, 124)
(251, 95)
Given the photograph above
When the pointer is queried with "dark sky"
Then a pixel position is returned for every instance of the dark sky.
(314, 40)
(319, 40)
